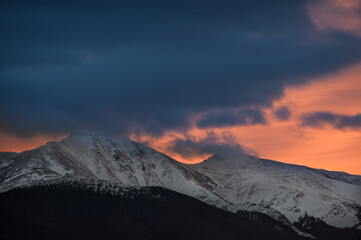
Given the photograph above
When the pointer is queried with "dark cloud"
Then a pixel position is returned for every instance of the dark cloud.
(283, 113)
(126, 66)
(225, 118)
(224, 145)
(338, 121)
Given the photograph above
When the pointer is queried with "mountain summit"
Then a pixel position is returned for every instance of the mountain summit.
(101, 156)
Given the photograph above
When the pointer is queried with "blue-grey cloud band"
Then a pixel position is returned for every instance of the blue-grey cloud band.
(147, 66)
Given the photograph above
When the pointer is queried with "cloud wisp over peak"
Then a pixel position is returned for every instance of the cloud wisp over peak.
(224, 145)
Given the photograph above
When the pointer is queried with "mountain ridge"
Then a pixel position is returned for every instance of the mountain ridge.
(270, 187)
(288, 189)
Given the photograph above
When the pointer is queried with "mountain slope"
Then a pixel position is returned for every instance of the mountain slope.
(276, 188)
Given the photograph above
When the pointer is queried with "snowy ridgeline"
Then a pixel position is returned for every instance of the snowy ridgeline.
(108, 163)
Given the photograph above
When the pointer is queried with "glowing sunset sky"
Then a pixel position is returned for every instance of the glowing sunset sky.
(288, 141)
(281, 80)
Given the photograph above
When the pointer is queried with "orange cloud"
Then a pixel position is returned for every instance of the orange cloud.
(343, 15)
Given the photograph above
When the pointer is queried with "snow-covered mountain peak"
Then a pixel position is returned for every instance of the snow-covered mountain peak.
(101, 156)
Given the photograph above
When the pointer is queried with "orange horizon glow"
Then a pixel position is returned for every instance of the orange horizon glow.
(284, 141)
(11, 143)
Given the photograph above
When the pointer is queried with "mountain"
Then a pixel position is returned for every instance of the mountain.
(247, 186)
(73, 210)
(101, 156)
(279, 189)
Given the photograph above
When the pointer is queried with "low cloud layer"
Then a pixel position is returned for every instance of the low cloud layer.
(224, 145)
(338, 121)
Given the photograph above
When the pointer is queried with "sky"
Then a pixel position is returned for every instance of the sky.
(276, 79)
